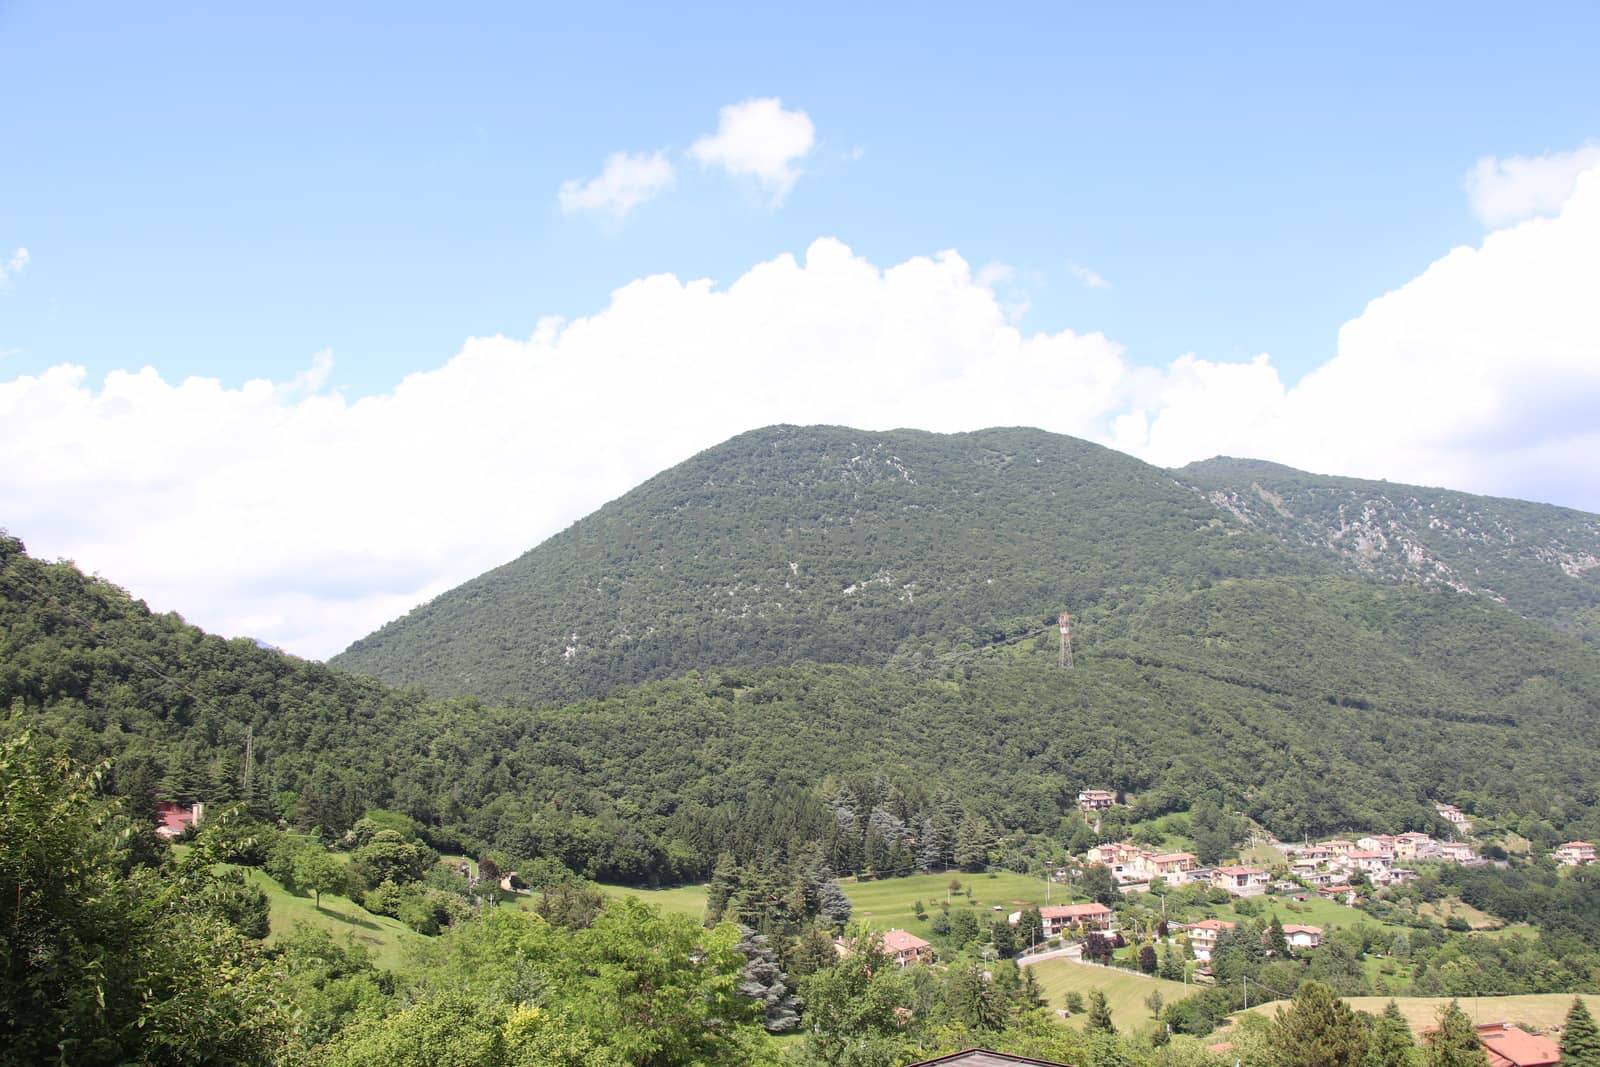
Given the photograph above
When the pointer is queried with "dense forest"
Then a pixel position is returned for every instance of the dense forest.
(841, 546)
(1309, 706)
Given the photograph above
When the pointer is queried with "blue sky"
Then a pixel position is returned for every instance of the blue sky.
(224, 193)
(253, 263)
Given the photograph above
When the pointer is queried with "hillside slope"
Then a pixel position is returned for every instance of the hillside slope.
(1309, 704)
(840, 546)
(1542, 561)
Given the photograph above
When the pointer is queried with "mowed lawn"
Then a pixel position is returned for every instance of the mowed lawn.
(1538, 1010)
(687, 900)
(384, 937)
(1125, 991)
(886, 904)
(1313, 912)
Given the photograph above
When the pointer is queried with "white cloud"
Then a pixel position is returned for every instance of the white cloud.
(1479, 374)
(1087, 276)
(295, 514)
(625, 182)
(1502, 191)
(759, 139)
(13, 266)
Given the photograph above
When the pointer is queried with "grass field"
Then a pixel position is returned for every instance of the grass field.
(687, 900)
(1312, 912)
(386, 938)
(1125, 991)
(1541, 1011)
(887, 904)
(1444, 909)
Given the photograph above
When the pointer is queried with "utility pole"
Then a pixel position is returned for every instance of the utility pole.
(1066, 641)
(249, 759)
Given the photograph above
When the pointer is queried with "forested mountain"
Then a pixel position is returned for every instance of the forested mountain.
(1308, 704)
(1542, 561)
(840, 546)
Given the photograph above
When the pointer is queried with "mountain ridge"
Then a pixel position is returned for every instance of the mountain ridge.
(839, 545)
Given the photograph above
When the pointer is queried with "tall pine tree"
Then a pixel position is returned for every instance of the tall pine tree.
(1318, 1030)
(1454, 1042)
(1580, 1037)
(1390, 1043)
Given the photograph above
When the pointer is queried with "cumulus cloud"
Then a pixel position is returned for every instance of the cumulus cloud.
(1479, 374)
(1509, 190)
(625, 182)
(290, 512)
(759, 139)
(13, 266)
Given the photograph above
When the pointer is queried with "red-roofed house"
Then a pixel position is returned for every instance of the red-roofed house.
(1096, 799)
(1240, 881)
(1173, 866)
(1575, 854)
(905, 948)
(1059, 917)
(1508, 1046)
(1302, 936)
(1203, 937)
(175, 818)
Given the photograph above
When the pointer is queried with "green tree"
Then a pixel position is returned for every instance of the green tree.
(104, 962)
(1580, 1038)
(1277, 942)
(1390, 1043)
(1100, 1013)
(972, 843)
(764, 981)
(1100, 885)
(1454, 1041)
(1318, 1029)
(448, 1031)
(853, 1009)
(318, 872)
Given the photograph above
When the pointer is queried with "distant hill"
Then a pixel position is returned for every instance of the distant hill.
(834, 545)
(1541, 561)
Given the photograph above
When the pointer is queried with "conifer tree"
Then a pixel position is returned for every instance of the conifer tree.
(724, 883)
(1100, 1013)
(1318, 1030)
(1454, 1042)
(1277, 942)
(834, 904)
(765, 982)
(1390, 1043)
(1580, 1037)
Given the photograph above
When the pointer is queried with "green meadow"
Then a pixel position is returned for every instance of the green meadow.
(1126, 991)
(889, 903)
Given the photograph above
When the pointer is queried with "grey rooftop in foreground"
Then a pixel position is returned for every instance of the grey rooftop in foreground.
(982, 1057)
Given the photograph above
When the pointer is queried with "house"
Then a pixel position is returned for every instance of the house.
(1455, 817)
(1059, 918)
(1510, 1046)
(1203, 937)
(1128, 862)
(1372, 863)
(903, 947)
(1341, 893)
(1303, 936)
(1240, 881)
(1173, 866)
(1338, 847)
(1454, 852)
(1575, 854)
(175, 818)
(1096, 799)
(1378, 843)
